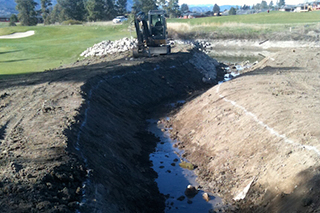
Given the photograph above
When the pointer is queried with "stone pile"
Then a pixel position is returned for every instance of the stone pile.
(202, 45)
(110, 47)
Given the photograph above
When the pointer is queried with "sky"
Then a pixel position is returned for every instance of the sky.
(234, 2)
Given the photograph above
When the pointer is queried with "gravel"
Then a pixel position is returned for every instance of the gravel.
(110, 47)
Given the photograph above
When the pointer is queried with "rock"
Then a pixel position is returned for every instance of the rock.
(186, 165)
(42, 205)
(110, 47)
(191, 191)
(206, 197)
(181, 198)
(307, 201)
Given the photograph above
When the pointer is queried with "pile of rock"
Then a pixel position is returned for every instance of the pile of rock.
(110, 47)
(201, 45)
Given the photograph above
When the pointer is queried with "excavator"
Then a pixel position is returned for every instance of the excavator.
(151, 34)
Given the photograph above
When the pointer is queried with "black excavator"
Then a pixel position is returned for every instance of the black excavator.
(151, 34)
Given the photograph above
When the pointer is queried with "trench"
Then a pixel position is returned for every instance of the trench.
(173, 179)
(110, 137)
(113, 142)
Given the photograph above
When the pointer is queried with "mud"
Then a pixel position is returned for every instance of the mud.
(74, 139)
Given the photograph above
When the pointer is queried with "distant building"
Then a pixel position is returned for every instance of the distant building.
(288, 8)
(4, 18)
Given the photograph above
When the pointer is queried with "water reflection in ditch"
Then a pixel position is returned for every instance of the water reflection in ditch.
(238, 56)
(172, 179)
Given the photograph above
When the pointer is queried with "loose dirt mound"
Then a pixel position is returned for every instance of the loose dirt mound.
(262, 126)
(81, 130)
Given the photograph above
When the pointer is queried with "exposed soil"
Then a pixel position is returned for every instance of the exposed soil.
(74, 138)
(262, 126)
(84, 124)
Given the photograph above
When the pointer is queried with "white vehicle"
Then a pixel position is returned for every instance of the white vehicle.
(119, 19)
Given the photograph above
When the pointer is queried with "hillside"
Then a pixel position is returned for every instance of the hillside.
(208, 7)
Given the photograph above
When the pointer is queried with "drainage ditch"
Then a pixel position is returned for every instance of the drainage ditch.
(175, 175)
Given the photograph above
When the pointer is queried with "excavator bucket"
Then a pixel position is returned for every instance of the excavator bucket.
(162, 50)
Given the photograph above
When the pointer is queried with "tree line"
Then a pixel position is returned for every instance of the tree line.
(79, 10)
(99, 10)
(86, 10)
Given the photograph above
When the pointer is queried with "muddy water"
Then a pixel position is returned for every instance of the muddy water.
(238, 56)
(172, 179)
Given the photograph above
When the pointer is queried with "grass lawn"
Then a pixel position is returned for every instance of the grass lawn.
(274, 17)
(275, 25)
(51, 46)
(4, 24)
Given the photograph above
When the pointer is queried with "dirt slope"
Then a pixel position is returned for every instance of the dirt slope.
(263, 126)
(80, 130)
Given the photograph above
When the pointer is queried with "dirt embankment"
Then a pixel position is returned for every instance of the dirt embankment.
(262, 126)
(84, 125)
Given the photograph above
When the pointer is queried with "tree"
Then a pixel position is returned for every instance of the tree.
(216, 9)
(55, 15)
(145, 5)
(282, 3)
(27, 13)
(95, 10)
(110, 10)
(45, 10)
(264, 5)
(232, 11)
(13, 20)
(72, 9)
(121, 6)
(172, 8)
(184, 8)
(245, 7)
(271, 4)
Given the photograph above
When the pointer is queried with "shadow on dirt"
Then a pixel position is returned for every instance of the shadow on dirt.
(113, 140)
(304, 198)
(108, 141)
(83, 70)
(3, 130)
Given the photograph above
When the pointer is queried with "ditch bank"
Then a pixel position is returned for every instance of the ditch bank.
(74, 139)
(255, 139)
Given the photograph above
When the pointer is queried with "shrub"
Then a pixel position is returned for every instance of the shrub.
(71, 22)
(12, 24)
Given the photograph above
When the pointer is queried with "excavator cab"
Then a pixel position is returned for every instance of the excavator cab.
(152, 34)
(158, 26)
